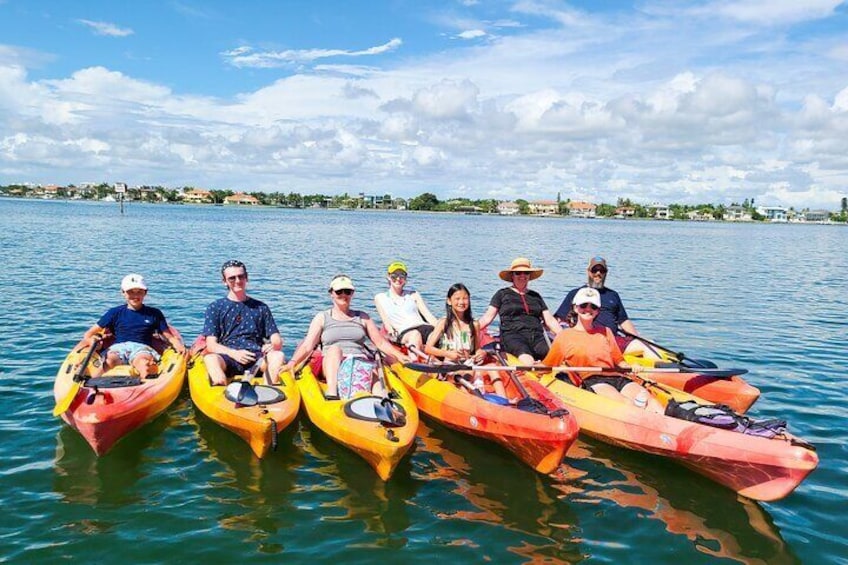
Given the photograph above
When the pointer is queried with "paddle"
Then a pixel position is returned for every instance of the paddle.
(452, 368)
(79, 379)
(384, 410)
(681, 357)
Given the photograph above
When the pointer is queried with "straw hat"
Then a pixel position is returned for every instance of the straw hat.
(521, 264)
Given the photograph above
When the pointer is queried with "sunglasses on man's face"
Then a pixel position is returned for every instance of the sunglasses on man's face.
(343, 291)
(598, 270)
(235, 278)
(398, 277)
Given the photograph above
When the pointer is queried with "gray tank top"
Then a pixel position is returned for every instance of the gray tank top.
(350, 335)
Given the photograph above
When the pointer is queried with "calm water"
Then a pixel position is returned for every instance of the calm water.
(770, 298)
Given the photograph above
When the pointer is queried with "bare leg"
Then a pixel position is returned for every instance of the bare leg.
(216, 368)
(273, 361)
(497, 383)
(526, 359)
(330, 368)
(640, 349)
(144, 364)
(413, 338)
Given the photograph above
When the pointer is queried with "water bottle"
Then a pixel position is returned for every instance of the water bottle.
(641, 399)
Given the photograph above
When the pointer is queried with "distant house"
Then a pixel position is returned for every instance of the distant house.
(50, 191)
(508, 208)
(241, 199)
(660, 211)
(625, 212)
(197, 196)
(736, 214)
(774, 213)
(816, 216)
(581, 209)
(700, 215)
(544, 207)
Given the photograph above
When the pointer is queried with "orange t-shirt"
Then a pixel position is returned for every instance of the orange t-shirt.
(595, 348)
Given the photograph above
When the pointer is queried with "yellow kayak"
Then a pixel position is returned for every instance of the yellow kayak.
(259, 419)
(361, 423)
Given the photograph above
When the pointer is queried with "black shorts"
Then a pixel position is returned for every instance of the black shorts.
(233, 367)
(533, 344)
(424, 329)
(616, 381)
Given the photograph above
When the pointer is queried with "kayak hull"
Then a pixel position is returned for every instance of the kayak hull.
(539, 440)
(755, 467)
(734, 392)
(258, 425)
(382, 446)
(105, 415)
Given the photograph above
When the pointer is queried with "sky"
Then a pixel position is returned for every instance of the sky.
(661, 101)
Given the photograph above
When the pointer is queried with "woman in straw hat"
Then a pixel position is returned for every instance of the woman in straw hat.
(523, 314)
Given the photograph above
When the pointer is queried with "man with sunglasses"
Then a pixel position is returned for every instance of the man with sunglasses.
(405, 316)
(612, 314)
(240, 331)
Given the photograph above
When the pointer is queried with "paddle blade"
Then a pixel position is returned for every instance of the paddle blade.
(65, 403)
(441, 369)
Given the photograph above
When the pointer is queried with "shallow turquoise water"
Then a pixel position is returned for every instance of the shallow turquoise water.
(771, 298)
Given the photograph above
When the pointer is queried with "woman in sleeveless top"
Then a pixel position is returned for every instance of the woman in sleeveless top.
(405, 316)
(343, 334)
(456, 337)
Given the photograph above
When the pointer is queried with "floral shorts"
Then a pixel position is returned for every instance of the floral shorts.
(129, 350)
(354, 376)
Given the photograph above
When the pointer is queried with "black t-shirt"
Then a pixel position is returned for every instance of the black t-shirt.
(517, 314)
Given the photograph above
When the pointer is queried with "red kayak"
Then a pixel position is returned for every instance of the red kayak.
(538, 432)
(107, 408)
(757, 467)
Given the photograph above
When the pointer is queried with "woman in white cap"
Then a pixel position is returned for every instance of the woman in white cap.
(133, 326)
(591, 344)
(348, 365)
(405, 316)
(523, 314)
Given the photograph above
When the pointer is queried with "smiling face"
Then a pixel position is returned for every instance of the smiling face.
(586, 312)
(597, 276)
(134, 297)
(236, 279)
(459, 302)
(397, 280)
(520, 279)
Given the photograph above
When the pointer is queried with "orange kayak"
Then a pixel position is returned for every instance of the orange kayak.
(755, 467)
(538, 439)
(733, 391)
(105, 409)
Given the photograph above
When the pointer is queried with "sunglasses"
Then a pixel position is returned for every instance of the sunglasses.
(520, 274)
(343, 291)
(587, 305)
(598, 270)
(235, 278)
(397, 277)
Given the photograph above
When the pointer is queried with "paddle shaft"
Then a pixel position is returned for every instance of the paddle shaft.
(697, 363)
(77, 382)
(424, 368)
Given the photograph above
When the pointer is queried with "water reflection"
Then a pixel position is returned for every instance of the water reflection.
(81, 476)
(496, 489)
(716, 521)
(349, 489)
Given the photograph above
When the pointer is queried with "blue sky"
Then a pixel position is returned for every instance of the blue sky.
(657, 101)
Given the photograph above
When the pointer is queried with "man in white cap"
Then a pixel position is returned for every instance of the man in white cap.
(133, 325)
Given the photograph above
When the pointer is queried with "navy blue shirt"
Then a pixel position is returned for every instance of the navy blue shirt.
(612, 312)
(239, 325)
(133, 325)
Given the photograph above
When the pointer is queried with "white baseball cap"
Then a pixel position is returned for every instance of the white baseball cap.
(589, 295)
(131, 281)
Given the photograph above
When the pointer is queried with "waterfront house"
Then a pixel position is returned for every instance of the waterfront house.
(660, 211)
(544, 207)
(625, 212)
(508, 208)
(581, 209)
(197, 196)
(774, 213)
(818, 216)
(241, 199)
(736, 214)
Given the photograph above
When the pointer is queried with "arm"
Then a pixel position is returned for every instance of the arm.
(628, 326)
(551, 322)
(381, 342)
(308, 345)
(175, 341)
(384, 317)
(93, 331)
(423, 310)
(430, 347)
(488, 317)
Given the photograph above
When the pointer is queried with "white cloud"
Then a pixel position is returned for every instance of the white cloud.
(472, 34)
(248, 57)
(106, 28)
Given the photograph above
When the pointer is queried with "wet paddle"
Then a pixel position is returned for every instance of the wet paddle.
(78, 381)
